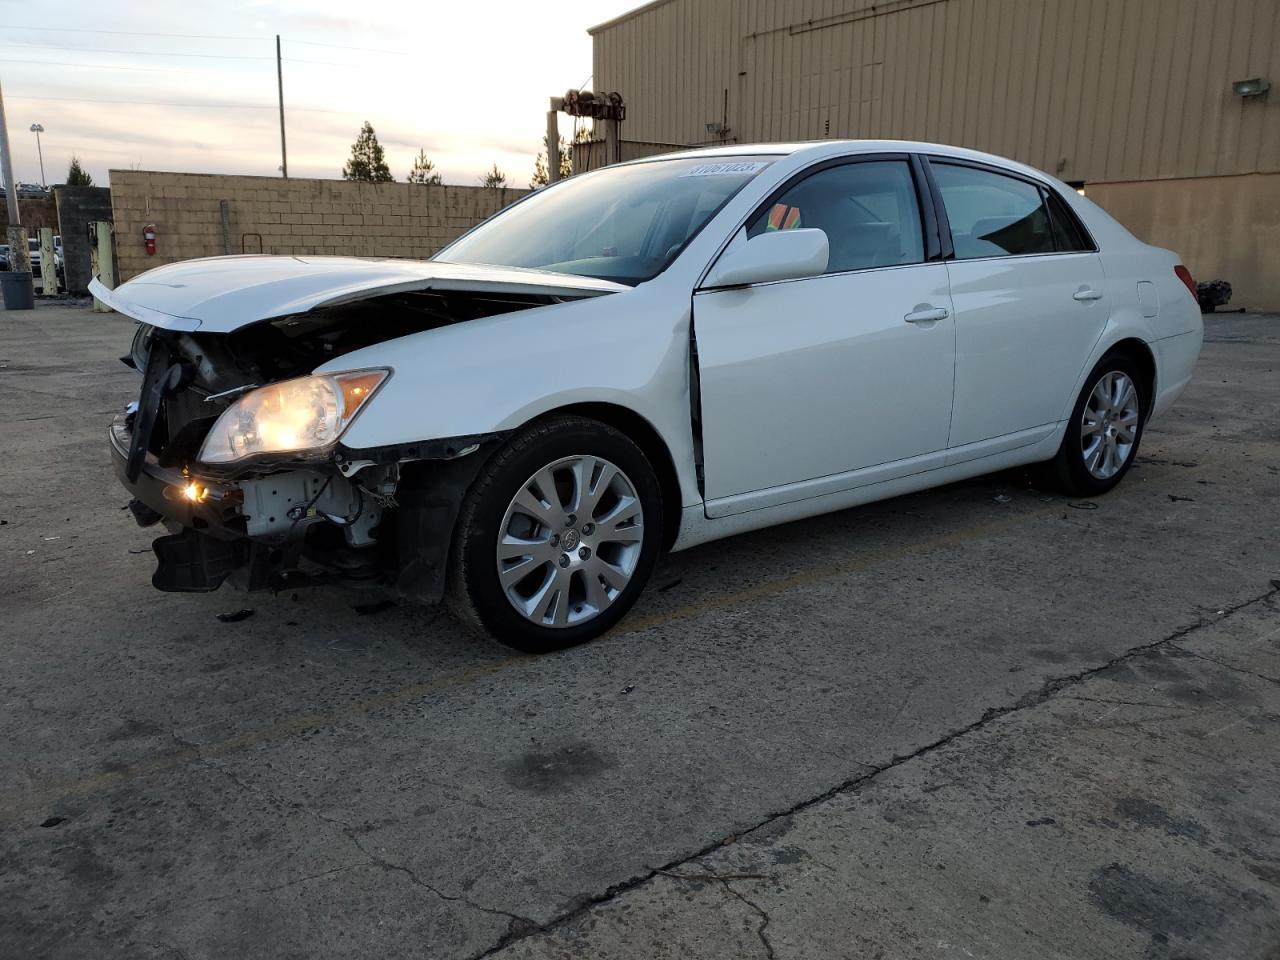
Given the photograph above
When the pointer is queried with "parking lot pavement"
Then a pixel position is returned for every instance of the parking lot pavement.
(877, 712)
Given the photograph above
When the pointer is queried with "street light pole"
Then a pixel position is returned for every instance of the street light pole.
(37, 129)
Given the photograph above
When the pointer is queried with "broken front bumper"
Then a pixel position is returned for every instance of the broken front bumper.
(292, 526)
(162, 491)
(256, 529)
(207, 541)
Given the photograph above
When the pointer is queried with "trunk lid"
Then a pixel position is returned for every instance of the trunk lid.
(222, 294)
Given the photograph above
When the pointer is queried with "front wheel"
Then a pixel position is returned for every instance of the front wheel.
(1104, 430)
(557, 536)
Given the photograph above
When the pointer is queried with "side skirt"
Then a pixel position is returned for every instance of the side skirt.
(696, 527)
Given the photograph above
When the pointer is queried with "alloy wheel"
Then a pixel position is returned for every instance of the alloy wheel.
(570, 541)
(1109, 425)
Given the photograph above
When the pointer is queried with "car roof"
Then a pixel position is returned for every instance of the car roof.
(821, 149)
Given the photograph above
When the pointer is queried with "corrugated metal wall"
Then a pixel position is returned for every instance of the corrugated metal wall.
(1098, 90)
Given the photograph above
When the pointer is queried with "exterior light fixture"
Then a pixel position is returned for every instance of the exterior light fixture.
(1254, 87)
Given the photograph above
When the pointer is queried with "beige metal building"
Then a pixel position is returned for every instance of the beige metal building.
(1133, 99)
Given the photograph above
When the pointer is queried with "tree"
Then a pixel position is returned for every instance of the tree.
(540, 174)
(494, 178)
(424, 171)
(541, 177)
(77, 176)
(367, 163)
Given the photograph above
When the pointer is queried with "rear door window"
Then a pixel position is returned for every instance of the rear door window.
(993, 215)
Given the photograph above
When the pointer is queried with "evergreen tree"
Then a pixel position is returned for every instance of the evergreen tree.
(367, 162)
(424, 171)
(494, 178)
(77, 176)
(540, 174)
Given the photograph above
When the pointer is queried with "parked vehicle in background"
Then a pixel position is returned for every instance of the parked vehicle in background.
(646, 357)
(4, 256)
(32, 191)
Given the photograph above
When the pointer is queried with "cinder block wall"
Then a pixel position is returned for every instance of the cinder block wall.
(294, 216)
(77, 208)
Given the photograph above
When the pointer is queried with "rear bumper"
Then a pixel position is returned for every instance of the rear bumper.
(1175, 364)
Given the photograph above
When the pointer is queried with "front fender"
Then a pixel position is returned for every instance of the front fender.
(494, 374)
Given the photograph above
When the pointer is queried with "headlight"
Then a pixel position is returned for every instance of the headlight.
(303, 416)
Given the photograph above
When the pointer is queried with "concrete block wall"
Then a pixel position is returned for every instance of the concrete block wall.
(77, 207)
(295, 216)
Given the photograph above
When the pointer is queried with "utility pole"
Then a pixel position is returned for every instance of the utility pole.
(553, 139)
(19, 253)
(284, 155)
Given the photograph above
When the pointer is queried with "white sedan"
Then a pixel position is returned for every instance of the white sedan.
(640, 359)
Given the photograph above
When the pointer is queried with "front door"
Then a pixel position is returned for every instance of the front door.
(817, 385)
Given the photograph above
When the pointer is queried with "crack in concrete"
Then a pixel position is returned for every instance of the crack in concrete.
(1034, 698)
(515, 921)
(1228, 666)
(516, 924)
(764, 918)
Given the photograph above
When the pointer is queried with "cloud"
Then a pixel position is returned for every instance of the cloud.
(468, 84)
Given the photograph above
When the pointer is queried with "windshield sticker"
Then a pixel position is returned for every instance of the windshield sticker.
(737, 167)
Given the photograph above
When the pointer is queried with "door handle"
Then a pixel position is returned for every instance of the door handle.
(923, 313)
(1085, 294)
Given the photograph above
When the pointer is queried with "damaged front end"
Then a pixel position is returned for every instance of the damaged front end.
(226, 449)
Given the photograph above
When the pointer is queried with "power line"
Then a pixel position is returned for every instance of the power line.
(340, 46)
(212, 36)
(147, 53)
(132, 53)
(105, 66)
(133, 33)
(189, 103)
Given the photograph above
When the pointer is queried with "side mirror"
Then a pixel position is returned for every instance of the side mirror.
(776, 255)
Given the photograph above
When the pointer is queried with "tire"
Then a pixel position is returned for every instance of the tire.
(595, 563)
(1079, 469)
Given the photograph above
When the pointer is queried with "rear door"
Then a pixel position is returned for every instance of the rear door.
(1028, 290)
(805, 383)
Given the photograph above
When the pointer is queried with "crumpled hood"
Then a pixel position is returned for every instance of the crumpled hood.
(221, 294)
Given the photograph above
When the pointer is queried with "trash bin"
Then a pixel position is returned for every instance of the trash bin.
(16, 289)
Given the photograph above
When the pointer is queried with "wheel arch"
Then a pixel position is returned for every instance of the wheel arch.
(643, 433)
(1140, 352)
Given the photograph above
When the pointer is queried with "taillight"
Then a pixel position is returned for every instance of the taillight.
(1185, 276)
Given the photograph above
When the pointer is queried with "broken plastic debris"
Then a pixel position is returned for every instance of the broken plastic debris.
(236, 616)
(1001, 498)
(1174, 498)
(628, 688)
(1083, 505)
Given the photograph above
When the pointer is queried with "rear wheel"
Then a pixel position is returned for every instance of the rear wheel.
(1104, 430)
(557, 536)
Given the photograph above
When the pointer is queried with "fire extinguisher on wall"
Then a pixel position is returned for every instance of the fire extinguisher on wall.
(149, 237)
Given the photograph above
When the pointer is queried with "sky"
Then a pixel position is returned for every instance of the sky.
(191, 86)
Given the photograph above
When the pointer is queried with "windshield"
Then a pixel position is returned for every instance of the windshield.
(624, 223)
